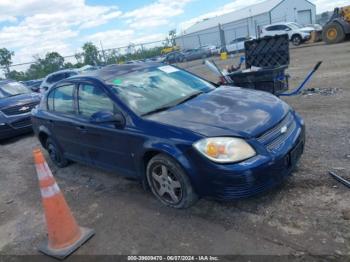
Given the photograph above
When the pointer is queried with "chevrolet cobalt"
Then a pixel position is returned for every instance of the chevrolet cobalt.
(181, 136)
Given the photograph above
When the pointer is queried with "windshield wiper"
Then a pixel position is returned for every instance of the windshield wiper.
(183, 100)
(14, 95)
(177, 102)
(160, 109)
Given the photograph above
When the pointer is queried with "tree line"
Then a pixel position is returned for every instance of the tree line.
(90, 55)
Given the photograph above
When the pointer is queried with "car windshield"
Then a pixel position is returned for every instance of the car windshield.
(294, 26)
(158, 88)
(12, 89)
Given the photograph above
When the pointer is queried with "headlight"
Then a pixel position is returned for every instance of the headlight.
(225, 149)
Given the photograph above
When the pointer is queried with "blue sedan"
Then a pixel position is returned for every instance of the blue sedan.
(180, 135)
(16, 102)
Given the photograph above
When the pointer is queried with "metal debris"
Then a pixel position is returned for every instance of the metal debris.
(328, 91)
(340, 179)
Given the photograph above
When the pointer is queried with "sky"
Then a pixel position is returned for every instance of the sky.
(35, 27)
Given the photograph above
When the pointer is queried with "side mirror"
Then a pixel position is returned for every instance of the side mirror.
(107, 117)
(288, 29)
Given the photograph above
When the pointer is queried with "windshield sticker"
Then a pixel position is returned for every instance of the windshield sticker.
(168, 69)
(117, 81)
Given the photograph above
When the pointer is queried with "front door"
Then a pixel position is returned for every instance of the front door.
(106, 145)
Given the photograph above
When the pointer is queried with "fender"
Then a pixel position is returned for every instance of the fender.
(163, 148)
(44, 129)
(345, 25)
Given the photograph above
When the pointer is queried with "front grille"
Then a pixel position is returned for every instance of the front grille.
(273, 139)
(19, 109)
(26, 122)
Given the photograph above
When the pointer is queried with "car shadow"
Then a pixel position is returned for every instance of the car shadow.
(4, 142)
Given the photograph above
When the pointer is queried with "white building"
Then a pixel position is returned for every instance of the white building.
(246, 22)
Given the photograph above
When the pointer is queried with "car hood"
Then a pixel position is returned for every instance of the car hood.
(229, 111)
(19, 100)
(307, 29)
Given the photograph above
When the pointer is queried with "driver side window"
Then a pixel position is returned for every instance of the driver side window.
(92, 99)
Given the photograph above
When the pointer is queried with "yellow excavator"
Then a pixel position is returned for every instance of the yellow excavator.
(338, 27)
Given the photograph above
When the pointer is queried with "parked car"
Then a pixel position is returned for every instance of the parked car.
(211, 49)
(174, 57)
(316, 27)
(180, 135)
(55, 77)
(237, 44)
(193, 54)
(297, 33)
(16, 102)
(87, 68)
(33, 85)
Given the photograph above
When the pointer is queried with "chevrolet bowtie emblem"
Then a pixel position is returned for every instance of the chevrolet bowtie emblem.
(24, 108)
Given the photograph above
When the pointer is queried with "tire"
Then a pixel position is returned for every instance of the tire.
(296, 40)
(333, 33)
(56, 154)
(169, 183)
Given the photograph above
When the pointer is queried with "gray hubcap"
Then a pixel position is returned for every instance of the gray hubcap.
(166, 184)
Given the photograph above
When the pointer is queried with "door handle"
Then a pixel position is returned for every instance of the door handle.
(82, 128)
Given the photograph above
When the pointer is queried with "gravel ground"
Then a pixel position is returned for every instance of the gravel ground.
(308, 215)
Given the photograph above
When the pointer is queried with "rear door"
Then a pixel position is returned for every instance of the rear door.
(61, 120)
(105, 145)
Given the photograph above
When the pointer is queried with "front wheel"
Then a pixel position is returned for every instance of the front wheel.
(296, 40)
(169, 183)
(333, 33)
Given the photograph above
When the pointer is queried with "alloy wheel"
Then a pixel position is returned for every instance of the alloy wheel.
(166, 184)
(53, 153)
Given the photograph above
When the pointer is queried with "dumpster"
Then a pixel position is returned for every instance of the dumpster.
(269, 79)
(266, 60)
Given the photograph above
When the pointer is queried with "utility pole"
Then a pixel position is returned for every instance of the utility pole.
(103, 53)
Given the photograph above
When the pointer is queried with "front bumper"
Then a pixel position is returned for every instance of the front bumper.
(306, 37)
(251, 177)
(15, 126)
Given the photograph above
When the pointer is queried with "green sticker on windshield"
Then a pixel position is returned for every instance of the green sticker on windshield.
(117, 81)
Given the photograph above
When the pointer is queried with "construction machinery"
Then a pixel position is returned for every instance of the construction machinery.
(338, 27)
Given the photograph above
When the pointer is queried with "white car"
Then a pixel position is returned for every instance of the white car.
(297, 33)
(53, 78)
(237, 44)
(213, 49)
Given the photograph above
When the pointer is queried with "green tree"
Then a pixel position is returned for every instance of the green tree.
(16, 75)
(170, 39)
(112, 57)
(52, 62)
(90, 54)
(6, 59)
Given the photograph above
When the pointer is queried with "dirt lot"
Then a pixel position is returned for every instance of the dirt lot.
(309, 215)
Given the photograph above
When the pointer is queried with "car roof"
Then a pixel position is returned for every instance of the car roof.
(108, 73)
(281, 23)
(6, 81)
(63, 71)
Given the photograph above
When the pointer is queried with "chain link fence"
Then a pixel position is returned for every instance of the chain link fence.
(219, 36)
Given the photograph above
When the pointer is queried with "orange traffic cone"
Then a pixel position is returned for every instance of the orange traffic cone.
(64, 234)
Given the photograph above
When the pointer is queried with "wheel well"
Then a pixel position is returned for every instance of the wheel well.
(148, 156)
(295, 36)
(43, 138)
